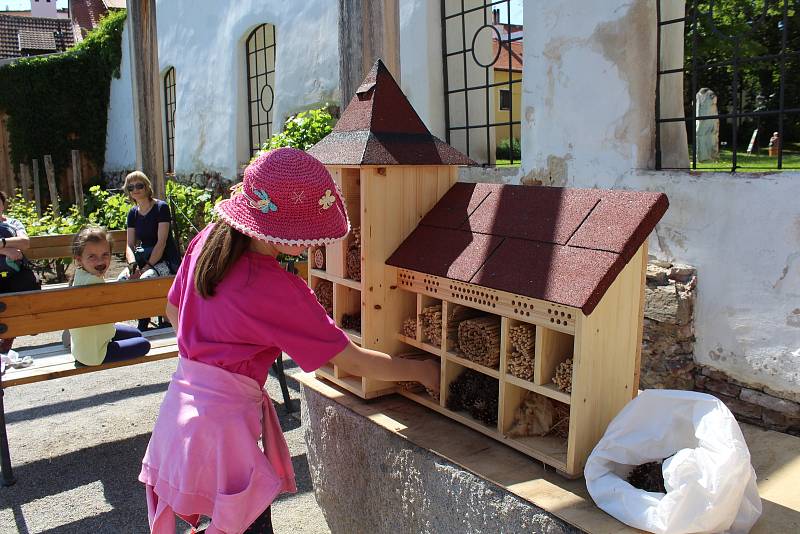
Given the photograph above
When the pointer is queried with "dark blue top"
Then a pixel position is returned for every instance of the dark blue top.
(146, 227)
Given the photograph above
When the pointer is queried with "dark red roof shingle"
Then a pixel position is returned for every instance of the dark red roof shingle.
(10, 27)
(561, 245)
(380, 127)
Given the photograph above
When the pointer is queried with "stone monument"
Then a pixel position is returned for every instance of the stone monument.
(707, 130)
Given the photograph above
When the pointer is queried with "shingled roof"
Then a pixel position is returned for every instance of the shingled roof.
(560, 245)
(380, 127)
(33, 30)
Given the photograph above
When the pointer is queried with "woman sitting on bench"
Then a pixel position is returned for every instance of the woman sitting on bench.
(151, 250)
(93, 345)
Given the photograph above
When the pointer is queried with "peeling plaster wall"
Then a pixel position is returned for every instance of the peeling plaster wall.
(588, 121)
(205, 44)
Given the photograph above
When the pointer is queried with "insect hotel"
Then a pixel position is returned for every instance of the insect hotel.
(530, 298)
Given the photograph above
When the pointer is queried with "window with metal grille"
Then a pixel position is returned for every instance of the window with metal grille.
(260, 49)
(728, 86)
(169, 117)
(482, 60)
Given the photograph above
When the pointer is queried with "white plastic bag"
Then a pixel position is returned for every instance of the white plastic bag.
(711, 486)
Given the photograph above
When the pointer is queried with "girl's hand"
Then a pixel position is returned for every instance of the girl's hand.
(430, 376)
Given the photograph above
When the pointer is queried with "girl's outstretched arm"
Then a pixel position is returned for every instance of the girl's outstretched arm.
(373, 364)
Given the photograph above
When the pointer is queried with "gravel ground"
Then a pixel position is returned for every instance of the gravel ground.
(77, 442)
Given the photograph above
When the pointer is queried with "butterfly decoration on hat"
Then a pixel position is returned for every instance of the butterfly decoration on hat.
(264, 202)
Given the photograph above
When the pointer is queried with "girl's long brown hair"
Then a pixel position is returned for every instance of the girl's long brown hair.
(223, 247)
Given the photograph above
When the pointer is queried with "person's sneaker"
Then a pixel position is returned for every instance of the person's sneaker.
(144, 325)
(66, 339)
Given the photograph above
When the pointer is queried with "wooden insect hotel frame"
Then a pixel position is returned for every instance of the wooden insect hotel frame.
(549, 281)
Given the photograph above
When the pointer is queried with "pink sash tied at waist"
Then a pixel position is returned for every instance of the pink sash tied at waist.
(203, 457)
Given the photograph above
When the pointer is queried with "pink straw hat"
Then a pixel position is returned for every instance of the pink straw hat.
(287, 197)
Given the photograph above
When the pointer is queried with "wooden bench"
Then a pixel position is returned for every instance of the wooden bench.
(35, 312)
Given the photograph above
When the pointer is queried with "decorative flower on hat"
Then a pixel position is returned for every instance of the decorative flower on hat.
(327, 200)
(264, 203)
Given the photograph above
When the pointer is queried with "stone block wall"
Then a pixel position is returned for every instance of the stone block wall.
(668, 353)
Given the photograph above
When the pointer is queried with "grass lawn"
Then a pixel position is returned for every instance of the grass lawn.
(507, 163)
(752, 162)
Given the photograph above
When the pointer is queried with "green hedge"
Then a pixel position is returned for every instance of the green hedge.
(58, 103)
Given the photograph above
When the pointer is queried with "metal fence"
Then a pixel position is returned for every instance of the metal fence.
(751, 49)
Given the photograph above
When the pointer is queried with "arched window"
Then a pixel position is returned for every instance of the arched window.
(260, 48)
(169, 117)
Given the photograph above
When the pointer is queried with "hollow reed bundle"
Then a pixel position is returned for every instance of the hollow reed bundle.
(324, 293)
(416, 387)
(520, 364)
(409, 328)
(476, 394)
(431, 321)
(318, 258)
(352, 321)
(479, 340)
(353, 256)
(538, 415)
(522, 339)
(563, 377)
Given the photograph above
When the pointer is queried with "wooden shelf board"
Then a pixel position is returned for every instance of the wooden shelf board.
(420, 345)
(519, 382)
(472, 365)
(549, 449)
(421, 398)
(550, 390)
(354, 336)
(350, 383)
(474, 424)
(352, 284)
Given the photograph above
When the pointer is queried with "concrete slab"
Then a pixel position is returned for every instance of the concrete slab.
(389, 431)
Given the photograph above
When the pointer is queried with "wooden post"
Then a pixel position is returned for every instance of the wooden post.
(146, 91)
(77, 179)
(368, 30)
(25, 179)
(37, 192)
(51, 183)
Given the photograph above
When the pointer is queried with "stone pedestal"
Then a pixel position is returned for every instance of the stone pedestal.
(369, 480)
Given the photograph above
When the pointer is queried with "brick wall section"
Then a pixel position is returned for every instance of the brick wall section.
(668, 353)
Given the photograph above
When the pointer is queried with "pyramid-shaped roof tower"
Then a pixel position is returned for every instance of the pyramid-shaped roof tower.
(380, 127)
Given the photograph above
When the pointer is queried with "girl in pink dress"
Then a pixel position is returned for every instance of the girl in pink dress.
(235, 310)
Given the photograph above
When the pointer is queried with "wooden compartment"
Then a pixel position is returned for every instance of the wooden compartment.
(347, 311)
(430, 322)
(553, 348)
(415, 390)
(519, 349)
(524, 414)
(349, 181)
(476, 403)
(324, 291)
(473, 338)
